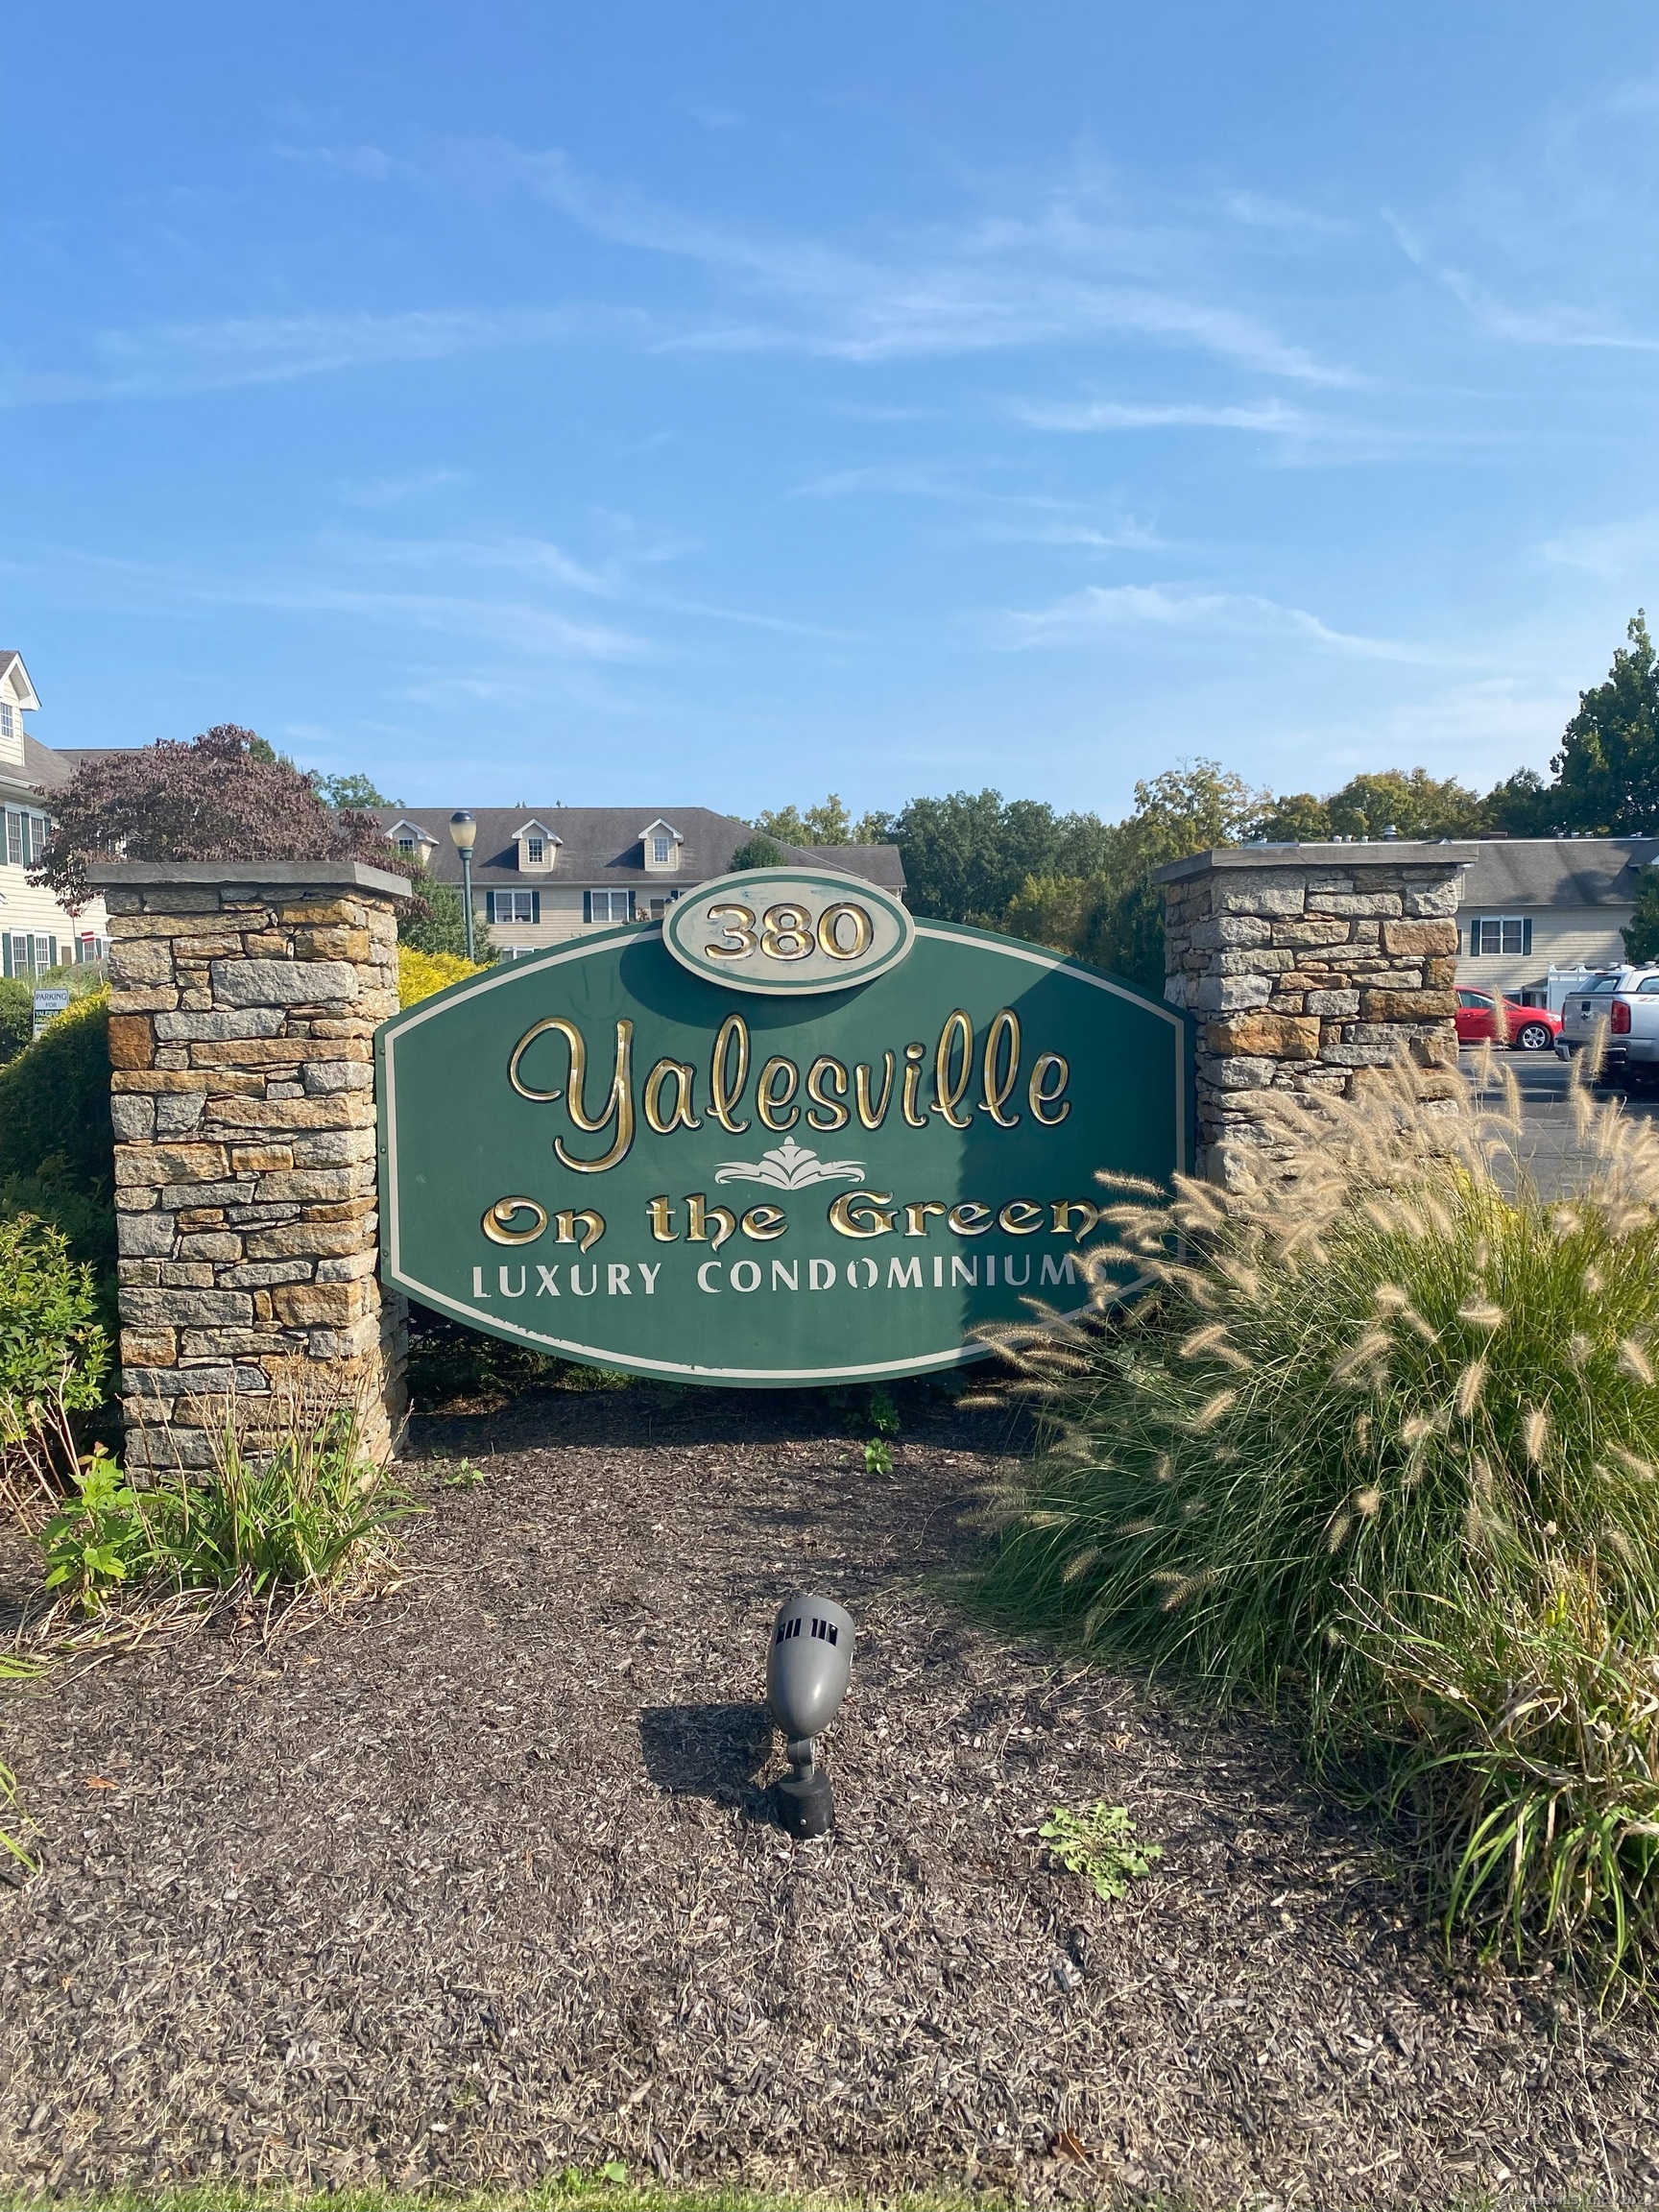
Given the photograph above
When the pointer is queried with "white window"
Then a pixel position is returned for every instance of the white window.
(1499, 933)
(514, 905)
(609, 905)
(406, 845)
(661, 850)
(8, 719)
(535, 851)
(14, 839)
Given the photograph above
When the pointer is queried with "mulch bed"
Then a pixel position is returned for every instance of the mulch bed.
(473, 1883)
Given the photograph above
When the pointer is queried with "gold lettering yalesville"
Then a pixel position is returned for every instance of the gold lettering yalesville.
(914, 1055)
(826, 1075)
(872, 1117)
(1043, 1095)
(680, 1115)
(1020, 1218)
(1002, 1042)
(661, 1215)
(779, 1082)
(862, 1213)
(707, 1224)
(618, 1108)
(916, 1216)
(764, 1222)
(565, 1227)
(956, 1036)
(497, 1222)
(729, 1072)
(1062, 1210)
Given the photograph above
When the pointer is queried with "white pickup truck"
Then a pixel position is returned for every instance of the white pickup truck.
(1626, 1001)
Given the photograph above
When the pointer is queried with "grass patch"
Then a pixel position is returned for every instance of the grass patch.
(1378, 1454)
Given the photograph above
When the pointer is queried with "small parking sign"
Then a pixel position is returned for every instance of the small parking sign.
(50, 1000)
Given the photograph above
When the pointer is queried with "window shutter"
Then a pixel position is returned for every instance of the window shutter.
(1526, 935)
(536, 906)
(587, 905)
(51, 951)
(1473, 936)
(5, 951)
(489, 906)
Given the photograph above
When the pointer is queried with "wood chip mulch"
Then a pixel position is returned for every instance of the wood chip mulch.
(474, 1883)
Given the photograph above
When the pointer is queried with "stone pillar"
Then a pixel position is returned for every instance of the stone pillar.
(1306, 965)
(242, 1006)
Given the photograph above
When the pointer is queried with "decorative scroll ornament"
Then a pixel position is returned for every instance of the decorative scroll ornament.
(790, 1166)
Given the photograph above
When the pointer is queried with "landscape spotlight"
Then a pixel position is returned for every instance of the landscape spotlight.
(463, 831)
(807, 1670)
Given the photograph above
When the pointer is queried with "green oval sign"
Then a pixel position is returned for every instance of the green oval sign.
(602, 1155)
(788, 930)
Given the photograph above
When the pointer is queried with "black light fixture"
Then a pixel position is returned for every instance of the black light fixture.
(807, 1670)
(463, 831)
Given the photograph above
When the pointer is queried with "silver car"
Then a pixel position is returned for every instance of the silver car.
(1625, 1002)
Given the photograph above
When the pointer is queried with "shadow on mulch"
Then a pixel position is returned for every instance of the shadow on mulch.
(711, 1752)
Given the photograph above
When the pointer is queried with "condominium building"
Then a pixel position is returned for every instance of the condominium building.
(35, 932)
(542, 875)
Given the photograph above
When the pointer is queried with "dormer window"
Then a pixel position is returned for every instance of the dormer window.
(8, 719)
(538, 847)
(412, 843)
(659, 847)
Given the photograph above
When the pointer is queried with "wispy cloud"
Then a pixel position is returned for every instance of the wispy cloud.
(1610, 549)
(392, 491)
(985, 285)
(1105, 608)
(171, 360)
(1270, 416)
(1553, 323)
(1022, 517)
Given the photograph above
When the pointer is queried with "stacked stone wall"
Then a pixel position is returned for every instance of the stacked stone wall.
(1302, 978)
(241, 1029)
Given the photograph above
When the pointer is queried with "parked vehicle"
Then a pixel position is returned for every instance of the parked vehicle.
(1626, 999)
(1483, 1014)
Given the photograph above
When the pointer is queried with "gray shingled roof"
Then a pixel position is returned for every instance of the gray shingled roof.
(1530, 872)
(600, 845)
(45, 769)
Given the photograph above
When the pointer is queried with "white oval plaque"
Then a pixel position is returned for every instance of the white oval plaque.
(787, 929)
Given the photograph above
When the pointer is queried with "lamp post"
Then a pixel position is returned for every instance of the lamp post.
(462, 829)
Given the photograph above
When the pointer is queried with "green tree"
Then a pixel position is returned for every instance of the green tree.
(967, 855)
(442, 926)
(1300, 819)
(1522, 806)
(1642, 938)
(355, 791)
(1607, 770)
(1412, 802)
(756, 851)
(828, 824)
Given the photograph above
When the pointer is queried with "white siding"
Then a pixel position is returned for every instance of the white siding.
(1562, 937)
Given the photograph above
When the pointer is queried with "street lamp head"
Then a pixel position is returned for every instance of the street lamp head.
(462, 829)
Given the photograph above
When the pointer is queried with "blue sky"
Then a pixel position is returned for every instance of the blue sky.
(720, 405)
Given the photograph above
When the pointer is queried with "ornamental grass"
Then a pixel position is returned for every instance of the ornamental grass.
(1377, 1452)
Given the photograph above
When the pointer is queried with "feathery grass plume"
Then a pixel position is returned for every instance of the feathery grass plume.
(1470, 1385)
(1282, 1542)
(1634, 1360)
(1079, 1563)
(1139, 1185)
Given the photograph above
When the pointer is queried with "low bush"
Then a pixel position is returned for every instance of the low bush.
(1383, 1419)
(292, 1515)
(421, 973)
(57, 1147)
(17, 1017)
(54, 1360)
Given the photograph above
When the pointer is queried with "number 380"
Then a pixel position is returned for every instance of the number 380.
(788, 932)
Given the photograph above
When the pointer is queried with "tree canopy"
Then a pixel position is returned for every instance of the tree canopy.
(223, 795)
(826, 823)
(1607, 770)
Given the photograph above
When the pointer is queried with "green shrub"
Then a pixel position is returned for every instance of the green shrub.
(56, 1147)
(1383, 1401)
(99, 1538)
(17, 1017)
(54, 1358)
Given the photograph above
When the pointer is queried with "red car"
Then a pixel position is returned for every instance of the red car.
(1481, 1014)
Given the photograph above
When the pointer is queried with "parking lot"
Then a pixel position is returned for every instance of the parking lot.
(1552, 1149)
